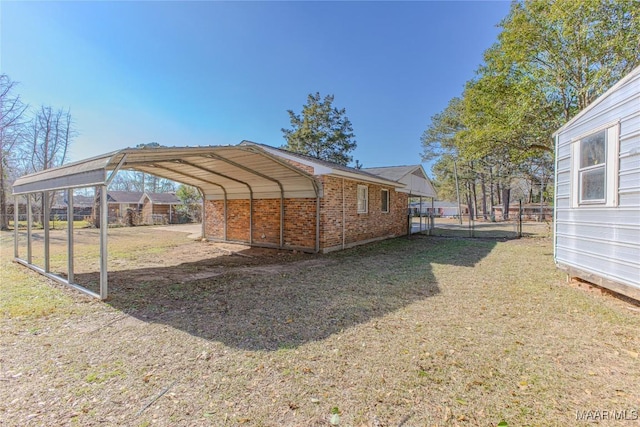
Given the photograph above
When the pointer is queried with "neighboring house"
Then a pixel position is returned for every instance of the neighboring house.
(529, 211)
(119, 202)
(441, 209)
(597, 190)
(82, 207)
(159, 208)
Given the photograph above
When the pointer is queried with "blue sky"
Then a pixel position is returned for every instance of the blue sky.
(215, 73)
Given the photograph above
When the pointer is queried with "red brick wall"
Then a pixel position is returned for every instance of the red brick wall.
(300, 217)
(359, 226)
(238, 220)
(299, 227)
(266, 221)
(300, 223)
(214, 219)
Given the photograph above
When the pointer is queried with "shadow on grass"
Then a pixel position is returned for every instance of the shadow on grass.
(254, 304)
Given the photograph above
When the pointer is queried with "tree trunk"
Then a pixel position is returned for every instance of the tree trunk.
(506, 193)
(470, 201)
(484, 196)
(491, 195)
(475, 199)
(96, 207)
(4, 221)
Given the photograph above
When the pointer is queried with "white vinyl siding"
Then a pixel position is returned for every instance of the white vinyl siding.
(600, 233)
(363, 199)
(384, 197)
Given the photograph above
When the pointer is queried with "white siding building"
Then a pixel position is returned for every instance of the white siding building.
(597, 190)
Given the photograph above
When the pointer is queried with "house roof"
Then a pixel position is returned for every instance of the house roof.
(79, 201)
(394, 173)
(161, 198)
(124, 196)
(413, 176)
(633, 74)
(82, 201)
(408, 179)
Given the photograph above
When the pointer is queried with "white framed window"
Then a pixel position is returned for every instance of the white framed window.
(384, 197)
(363, 199)
(595, 168)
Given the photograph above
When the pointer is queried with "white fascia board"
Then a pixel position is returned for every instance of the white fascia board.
(318, 169)
(366, 178)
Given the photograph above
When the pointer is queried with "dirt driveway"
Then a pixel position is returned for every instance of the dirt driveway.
(194, 230)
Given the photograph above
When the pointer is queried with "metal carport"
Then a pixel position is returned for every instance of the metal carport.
(244, 171)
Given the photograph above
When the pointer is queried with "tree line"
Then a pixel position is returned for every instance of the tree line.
(551, 60)
(31, 139)
(37, 139)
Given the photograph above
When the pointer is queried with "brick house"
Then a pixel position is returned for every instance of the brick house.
(355, 207)
(118, 202)
(159, 208)
(252, 193)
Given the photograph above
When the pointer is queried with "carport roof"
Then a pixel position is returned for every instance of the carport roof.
(232, 171)
(235, 171)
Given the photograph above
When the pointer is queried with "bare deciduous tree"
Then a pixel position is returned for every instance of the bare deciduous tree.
(50, 135)
(11, 132)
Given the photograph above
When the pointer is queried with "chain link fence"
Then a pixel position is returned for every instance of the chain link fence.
(518, 225)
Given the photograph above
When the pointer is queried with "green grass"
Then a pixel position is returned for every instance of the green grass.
(54, 225)
(25, 294)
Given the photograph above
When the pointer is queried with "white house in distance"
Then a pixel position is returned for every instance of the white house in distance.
(597, 190)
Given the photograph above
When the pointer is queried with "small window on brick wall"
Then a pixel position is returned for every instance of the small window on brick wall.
(363, 198)
(384, 196)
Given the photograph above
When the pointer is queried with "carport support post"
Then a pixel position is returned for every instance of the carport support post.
(45, 225)
(16, 253)
(70, 278)
(281, 218)
(250, 217)
(432, 217)
(420, 213)
(29, 226)
(104, 225)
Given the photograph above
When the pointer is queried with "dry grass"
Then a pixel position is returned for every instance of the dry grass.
(421, 331)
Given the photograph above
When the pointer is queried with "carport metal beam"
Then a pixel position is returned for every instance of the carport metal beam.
(45, 223)
(29, 228)
(15, 227)
(104, 252)
(104, 224)
(28, 262)
(314, 183)
(202, 168)
(70, 217)
(206, 181)
(261, 175)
